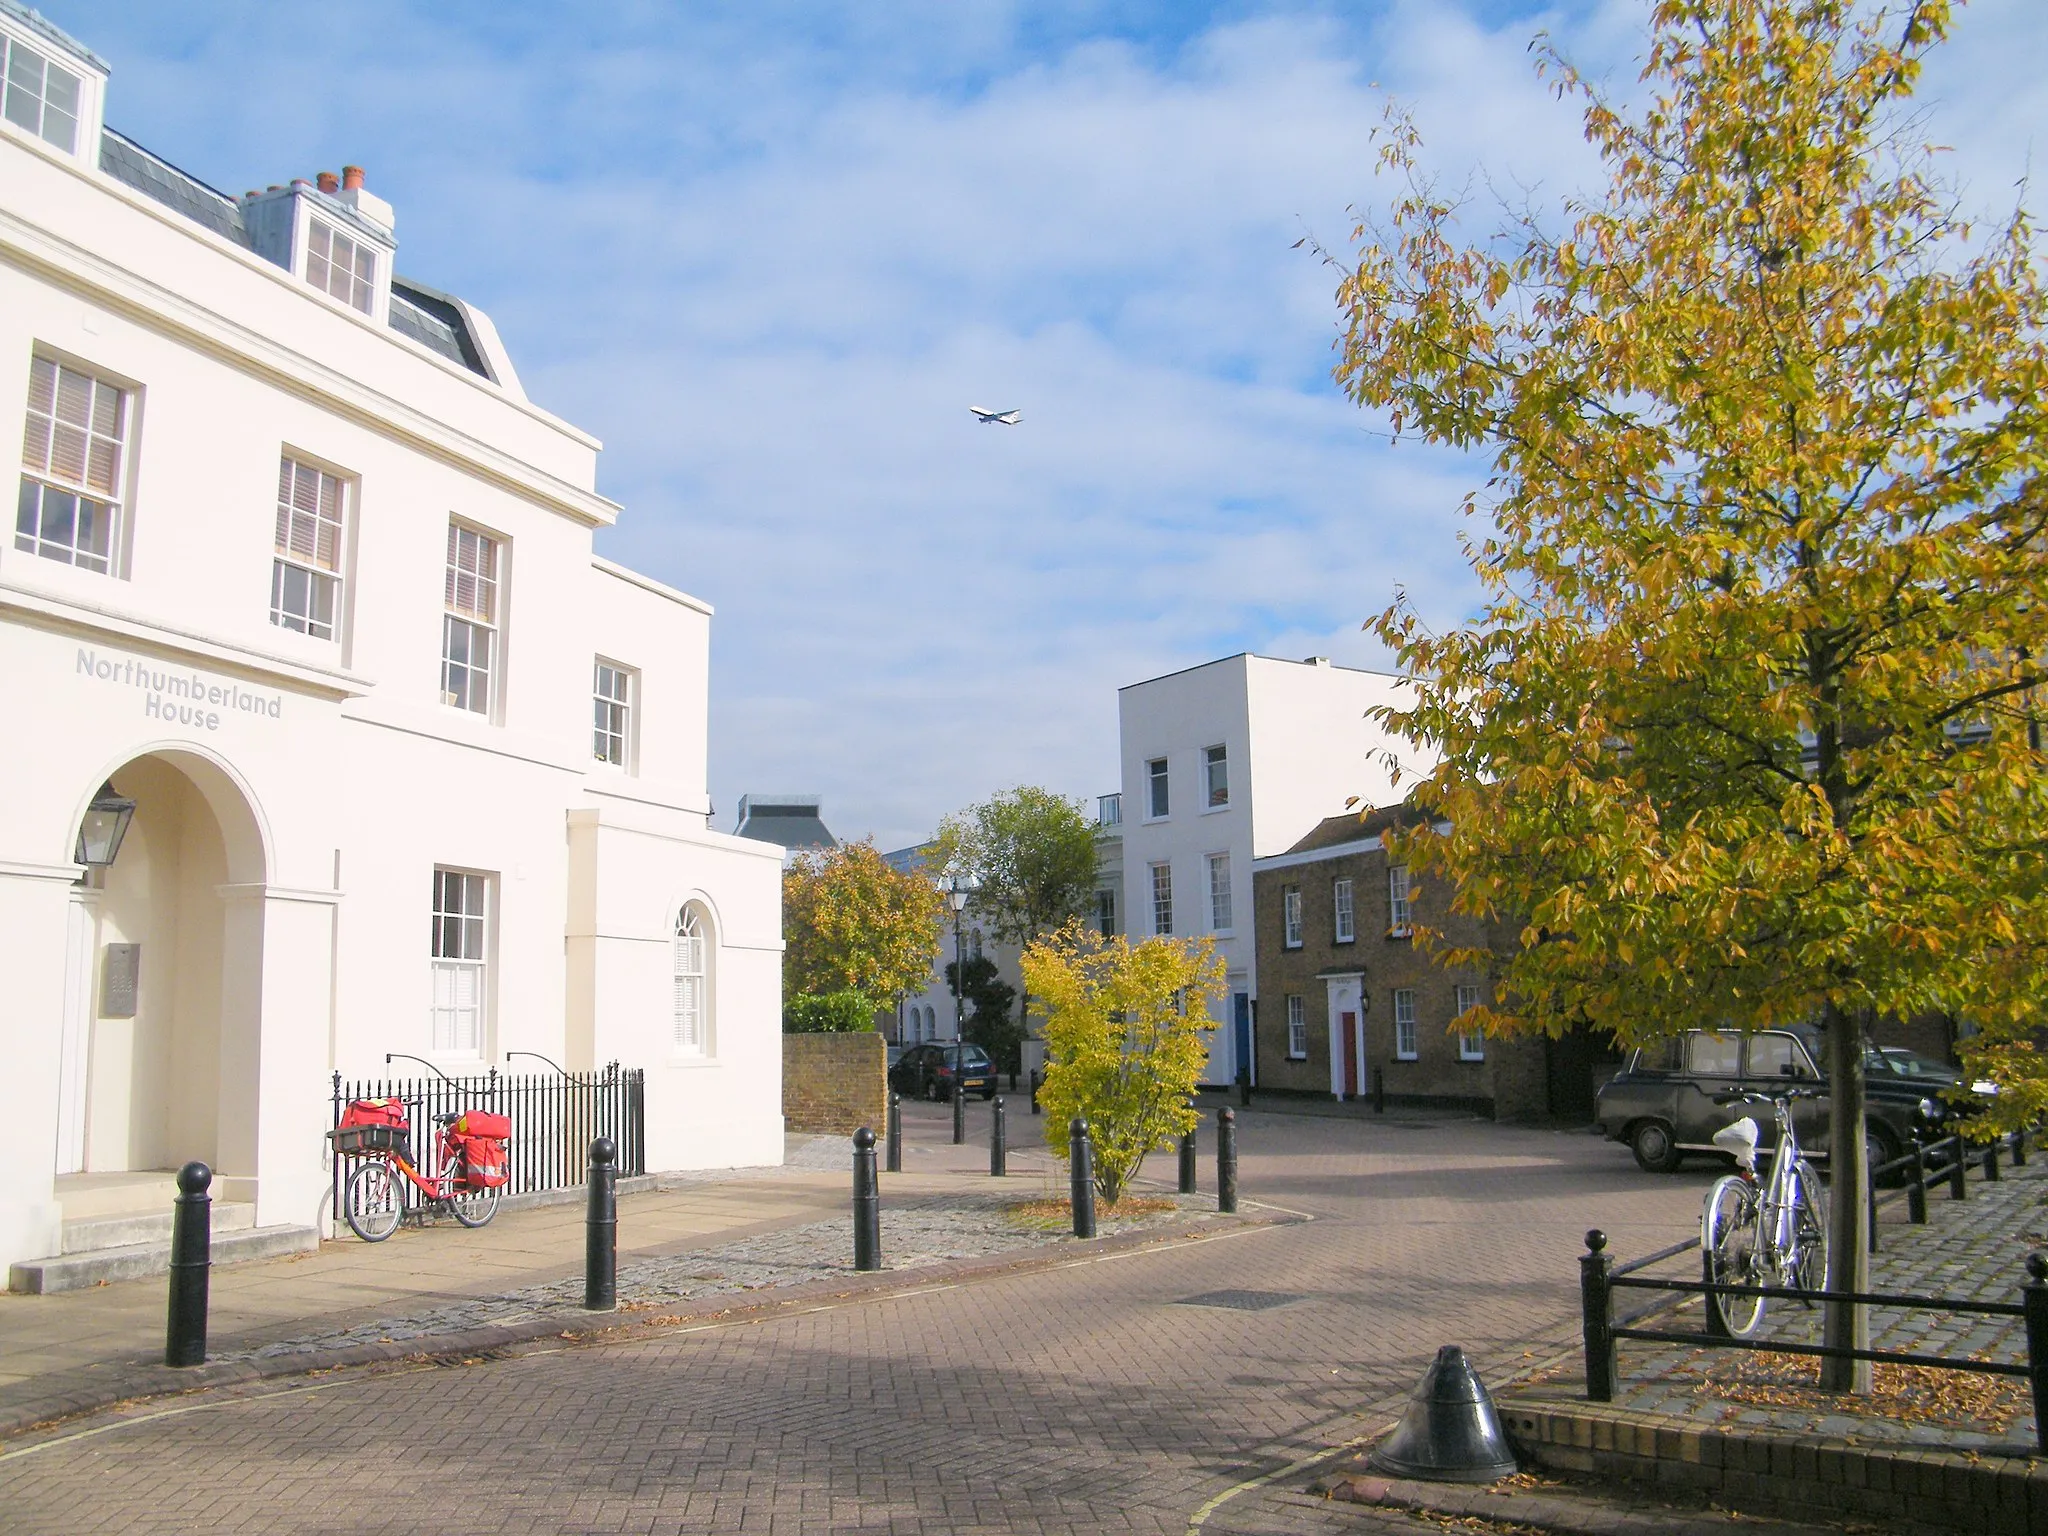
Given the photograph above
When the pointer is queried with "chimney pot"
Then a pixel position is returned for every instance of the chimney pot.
(300, 181)
(351, 178)
(275, 187)
(328, 182)
(252, 192)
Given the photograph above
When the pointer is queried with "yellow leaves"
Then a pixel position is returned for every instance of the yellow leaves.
(852, 923)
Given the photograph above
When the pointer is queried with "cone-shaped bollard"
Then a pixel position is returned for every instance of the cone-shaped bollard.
(1451, 1432)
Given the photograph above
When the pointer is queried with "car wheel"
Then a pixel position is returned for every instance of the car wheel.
(1655, 1150)
(987, 1094)
(933, 1092)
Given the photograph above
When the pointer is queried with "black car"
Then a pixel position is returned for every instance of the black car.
(926, 1071)
(1663, 1104)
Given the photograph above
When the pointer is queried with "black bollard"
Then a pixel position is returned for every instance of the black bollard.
(1916, 1192)
(1379, 1090)
(191, 1264)
(1958, 1187)
(2019, 1148)
(1596, 1317)
(601, 1229)
(1081, 1172)
(867, 1203)
(895, 1137)
(1991, 1163)
(998, 1144)
(1187, 1163)
(1035, 1080)
(1226, 1160)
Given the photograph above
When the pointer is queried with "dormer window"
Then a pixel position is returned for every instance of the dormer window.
(341, 267)
(41, 96)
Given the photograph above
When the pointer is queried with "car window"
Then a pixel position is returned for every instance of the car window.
(1775, 1055)
(1712, 1055)
(1661, 1056)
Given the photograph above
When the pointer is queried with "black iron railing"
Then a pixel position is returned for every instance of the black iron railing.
(554, 1116)
(1946, 1161)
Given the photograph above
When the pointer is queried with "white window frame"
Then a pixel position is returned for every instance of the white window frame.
(1162, 899)
(459, 961)
(614, 702)
(1220, 913)
(473, 596)
(1158, 796)
(1290, 917)
(309, 548)
(1297, 1028)
(1399, 913)
(690, 971)
(97, 448)
(1471, 1043)
(347, 269)
(20, 101)
(1105, 911)
(1343, 910)
(1215, 777)
(1404, 1025)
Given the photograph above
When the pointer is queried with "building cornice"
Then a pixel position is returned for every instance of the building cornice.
(106, 625)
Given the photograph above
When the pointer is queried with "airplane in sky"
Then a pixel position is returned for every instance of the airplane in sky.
(985, 416)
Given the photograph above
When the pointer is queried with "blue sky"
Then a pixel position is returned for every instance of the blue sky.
(770, 252)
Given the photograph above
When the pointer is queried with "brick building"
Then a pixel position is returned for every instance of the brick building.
(1344, 991)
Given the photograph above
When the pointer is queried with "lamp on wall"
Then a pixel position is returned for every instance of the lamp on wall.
(105, 824)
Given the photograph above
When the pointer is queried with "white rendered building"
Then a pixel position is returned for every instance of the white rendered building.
(1225, 763)
(299, 570)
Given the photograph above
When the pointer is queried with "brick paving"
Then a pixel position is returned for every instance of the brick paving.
(1084, 1397)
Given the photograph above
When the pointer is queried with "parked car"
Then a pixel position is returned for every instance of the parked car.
(926, 1071)
(896, 1054)
(1663, 1103)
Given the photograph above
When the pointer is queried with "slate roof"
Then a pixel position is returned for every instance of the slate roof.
(422, 314)
(1356, 827)
(791, 820)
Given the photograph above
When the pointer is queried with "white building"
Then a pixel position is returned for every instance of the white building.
(1225, 763)
(300, 570)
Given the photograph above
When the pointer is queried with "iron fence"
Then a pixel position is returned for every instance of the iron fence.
(1946, 1161)
(555, 1117)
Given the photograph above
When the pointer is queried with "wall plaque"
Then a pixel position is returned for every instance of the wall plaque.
(117, 989)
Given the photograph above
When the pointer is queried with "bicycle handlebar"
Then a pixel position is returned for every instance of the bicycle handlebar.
(1753, 1097)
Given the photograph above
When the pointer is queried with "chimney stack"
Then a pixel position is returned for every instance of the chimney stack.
(328, 182)
(351, 178)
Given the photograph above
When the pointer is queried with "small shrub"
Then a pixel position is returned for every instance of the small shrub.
(834, 1013)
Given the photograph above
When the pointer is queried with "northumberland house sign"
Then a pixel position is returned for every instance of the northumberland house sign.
(178, 695)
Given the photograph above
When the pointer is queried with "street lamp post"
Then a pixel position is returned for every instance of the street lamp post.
(957, 892)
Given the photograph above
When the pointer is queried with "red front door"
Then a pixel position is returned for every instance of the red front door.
(1347, 1045)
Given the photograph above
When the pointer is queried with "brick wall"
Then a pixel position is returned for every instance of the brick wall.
(832, 1085)
(1508, 1081)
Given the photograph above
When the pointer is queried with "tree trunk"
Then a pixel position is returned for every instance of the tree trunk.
(1846, 1325)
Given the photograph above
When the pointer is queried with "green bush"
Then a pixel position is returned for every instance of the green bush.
(832, 1013)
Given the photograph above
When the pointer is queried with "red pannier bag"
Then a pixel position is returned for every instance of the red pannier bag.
(375, 1112)
(483, 1160)
(370, 1126)
(481, 1122)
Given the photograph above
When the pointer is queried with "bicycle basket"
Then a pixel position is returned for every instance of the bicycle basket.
(366, 1140)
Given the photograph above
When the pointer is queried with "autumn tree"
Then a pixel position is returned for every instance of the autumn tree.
(1123, 1037)
(1031, 854)
(853, 923)
(1742, 731)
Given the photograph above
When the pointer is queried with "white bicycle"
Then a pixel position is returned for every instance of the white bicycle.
(1768, 1232)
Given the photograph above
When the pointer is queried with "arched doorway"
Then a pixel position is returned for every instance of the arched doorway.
(163, 984)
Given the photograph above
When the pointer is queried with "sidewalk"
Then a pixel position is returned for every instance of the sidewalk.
(698, 1243)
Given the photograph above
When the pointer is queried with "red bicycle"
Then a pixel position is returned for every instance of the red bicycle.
(472, 1166)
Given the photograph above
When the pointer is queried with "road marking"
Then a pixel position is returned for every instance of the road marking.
(173, 1413)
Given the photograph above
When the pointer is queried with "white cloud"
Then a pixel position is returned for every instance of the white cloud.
(771, 255)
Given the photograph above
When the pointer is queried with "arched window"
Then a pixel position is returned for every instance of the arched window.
(692, 996)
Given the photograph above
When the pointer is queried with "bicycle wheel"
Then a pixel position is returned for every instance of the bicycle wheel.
(1730, 1239)
(374, 1201)
(472, 1207)
(1808, 1269)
